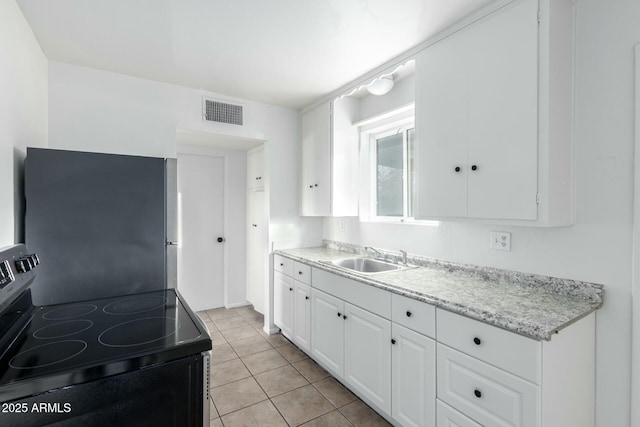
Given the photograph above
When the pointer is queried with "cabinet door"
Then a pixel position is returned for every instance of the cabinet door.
(315, 176)
(302, 316)
(503, 114)
(367, 355)
(307, 163)
(327, 331)
(322, 159)
(413, 377)
(255, 168)
(441, 129)
(282, 302)
(257, 249)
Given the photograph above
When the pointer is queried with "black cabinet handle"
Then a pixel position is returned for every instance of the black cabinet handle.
(477, 341)
(344, 317)
(299, 272)
(290, 289)
(311, 186)
(393, 340)
(339, 314)
(220, 239)
(281, 264)
(478, 393)
(474, 167)
(409, 314)
(255, 225)
(457, 169)
(315, 185)
(306, 297)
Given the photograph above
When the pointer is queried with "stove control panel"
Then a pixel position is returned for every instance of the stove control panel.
(17, 272)
(6, 274)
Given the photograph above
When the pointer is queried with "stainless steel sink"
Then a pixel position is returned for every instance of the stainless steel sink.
(367, 265)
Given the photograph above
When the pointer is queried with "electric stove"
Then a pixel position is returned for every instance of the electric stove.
(76, 353)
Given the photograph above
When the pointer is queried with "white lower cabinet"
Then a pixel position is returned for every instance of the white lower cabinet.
(413, 377)
(386, 348)
(487, 394)
(302, 316)
(449, 417)
(367, 355)
(283, 302)
(327, 331)
(292, 302)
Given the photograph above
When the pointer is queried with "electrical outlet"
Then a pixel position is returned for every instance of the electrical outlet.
(500, 240)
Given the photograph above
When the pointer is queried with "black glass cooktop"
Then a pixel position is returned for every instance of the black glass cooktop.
(87, 340)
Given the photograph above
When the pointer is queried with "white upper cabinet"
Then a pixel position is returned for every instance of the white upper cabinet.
(328, 178)
(493, 118)
(255, 169)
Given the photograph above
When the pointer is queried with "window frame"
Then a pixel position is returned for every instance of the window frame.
(373, 175)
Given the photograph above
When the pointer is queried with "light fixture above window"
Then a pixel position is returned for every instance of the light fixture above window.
(381, 85)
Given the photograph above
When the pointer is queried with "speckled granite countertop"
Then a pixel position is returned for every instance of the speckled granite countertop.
(531, 305)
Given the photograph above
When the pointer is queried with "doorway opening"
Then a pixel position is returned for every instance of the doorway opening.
(213, 219)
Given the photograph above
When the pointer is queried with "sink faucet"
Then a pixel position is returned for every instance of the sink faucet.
(376, 251)
(404, 256)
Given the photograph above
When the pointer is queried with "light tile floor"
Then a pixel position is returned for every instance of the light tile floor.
(264, 380)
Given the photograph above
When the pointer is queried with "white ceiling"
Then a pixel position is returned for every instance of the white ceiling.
(282, 52)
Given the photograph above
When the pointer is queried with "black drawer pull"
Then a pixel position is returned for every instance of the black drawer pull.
(290, 289)
(409, 314)
(281, 264)
(344, 317)
(306, 297)
(339, 314)
(478, 393)
(457, 169)
(393, 340)
(477, 341)
(299, 272)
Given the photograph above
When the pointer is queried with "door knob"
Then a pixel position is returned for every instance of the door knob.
(220, 239)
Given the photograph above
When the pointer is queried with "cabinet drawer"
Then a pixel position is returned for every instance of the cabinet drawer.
(283, 265)
(506, 350)
(449, 417)
(302, 273)
(414, 314)
(488, 395)
(365, 296)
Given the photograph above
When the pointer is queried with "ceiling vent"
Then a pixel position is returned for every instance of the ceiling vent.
(222, 112)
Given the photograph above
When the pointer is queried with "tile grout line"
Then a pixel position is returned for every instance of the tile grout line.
(289, 363)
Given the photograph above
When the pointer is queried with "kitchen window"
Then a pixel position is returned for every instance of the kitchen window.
(393, 174)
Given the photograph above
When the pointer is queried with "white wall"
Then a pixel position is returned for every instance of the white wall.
(92, 110)
(23, 113)
(598, 247)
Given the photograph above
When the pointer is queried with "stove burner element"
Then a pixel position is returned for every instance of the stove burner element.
(70, 312)
(139, 332)
(63, 329)
(48, 354)
(133, 305)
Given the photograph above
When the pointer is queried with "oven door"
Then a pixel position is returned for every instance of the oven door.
(170, 394)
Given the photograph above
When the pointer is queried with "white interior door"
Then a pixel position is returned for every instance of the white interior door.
(201, 217)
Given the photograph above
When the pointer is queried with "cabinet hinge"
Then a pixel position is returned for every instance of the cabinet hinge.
(537, 198)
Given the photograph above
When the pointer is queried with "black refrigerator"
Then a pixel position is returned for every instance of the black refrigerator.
(103, 225)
